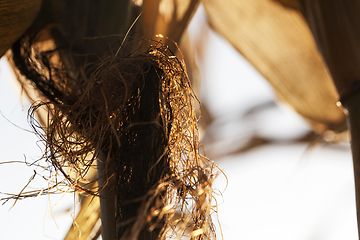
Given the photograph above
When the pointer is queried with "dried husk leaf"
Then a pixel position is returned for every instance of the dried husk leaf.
(335, 25)
(290, 3)
(278, 42)
(168, 18)
(86, 220)
(15, 17)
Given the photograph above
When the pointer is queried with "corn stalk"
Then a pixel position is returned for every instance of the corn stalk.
(335, 26)
(129, 166)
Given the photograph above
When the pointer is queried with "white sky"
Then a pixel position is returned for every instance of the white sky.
(28, 218)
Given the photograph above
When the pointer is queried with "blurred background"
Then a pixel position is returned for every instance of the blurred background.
(281, 181)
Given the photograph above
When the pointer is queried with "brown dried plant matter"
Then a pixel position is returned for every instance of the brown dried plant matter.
(95, 116)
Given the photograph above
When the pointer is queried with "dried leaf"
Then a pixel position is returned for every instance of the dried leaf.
(278, 42)
(15, 17)
(168, 18)
(294, 4)
(86, 222)
(335, 25)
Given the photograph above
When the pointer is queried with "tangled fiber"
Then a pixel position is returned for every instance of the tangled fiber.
(137, 111)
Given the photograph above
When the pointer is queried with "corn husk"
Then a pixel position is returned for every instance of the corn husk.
(278, 42)
(15, 17)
